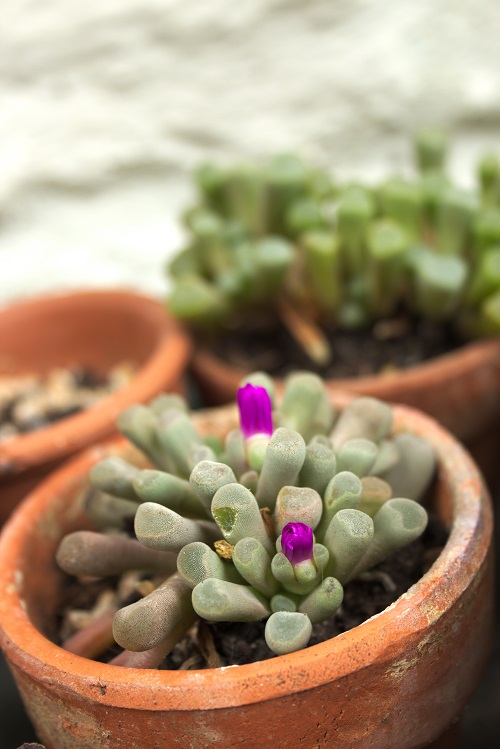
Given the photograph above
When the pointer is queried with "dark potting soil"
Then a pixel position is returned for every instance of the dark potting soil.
(396, 343)
(211, 645)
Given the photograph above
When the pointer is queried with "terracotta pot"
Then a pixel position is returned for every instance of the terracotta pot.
(98, 329)
(397, 680)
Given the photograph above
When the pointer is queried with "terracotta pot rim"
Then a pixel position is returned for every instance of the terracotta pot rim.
(417, 609)
(489, 347)
(71, 434)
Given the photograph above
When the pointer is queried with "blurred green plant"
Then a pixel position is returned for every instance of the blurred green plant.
(282, 239)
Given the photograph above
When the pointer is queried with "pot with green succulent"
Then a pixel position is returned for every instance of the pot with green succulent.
(391, 291)
(267, 526)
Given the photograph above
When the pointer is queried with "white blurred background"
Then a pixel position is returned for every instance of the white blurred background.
(106, 107)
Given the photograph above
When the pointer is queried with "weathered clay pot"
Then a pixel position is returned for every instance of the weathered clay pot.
(397, 681)
(98, 329)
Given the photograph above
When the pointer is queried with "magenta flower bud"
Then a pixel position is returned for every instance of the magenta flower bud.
(297, 542)
(254, 404)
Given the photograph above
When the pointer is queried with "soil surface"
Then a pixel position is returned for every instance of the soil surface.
(211, 645)
(29, 402)
(396, 343)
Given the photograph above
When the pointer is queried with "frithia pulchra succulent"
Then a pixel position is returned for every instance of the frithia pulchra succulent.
(269, 524)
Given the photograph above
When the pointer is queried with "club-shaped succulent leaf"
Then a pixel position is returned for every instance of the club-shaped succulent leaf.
(376, 492)
(364, 417)
(284, 602)
(194, 299)
(166, 611)
(235, 452)
(284, 458)
(387, 248)
(250, 479)
(398, 522)
(387, 457)
(431, 146)
(321, 250)
(439, 284)
(115, 476)
(347, 538)
(98, 555)
(179, 438)
(305, 407)
(454, 216)
(319, 467)
(413, 472)
(221, 601)
(402, 202)
(355, 210)
(197, 561)
(357, 455)
(138, 424)
(160, 528)
(287, 631)
(168, 490)
(253, 562)
(324, 600)
(168, 402)
(108, 511)
(207, 477)
(297, 504)
(344, 491)
(237, 514)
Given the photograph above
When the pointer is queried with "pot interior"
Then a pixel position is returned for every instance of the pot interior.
(44, 583)
(96, 330)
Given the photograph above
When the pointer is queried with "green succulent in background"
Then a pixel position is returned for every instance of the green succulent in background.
(268, 524)
(273, 239)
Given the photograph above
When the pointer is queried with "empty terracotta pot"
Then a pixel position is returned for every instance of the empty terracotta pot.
(399, 679)
(97, 329)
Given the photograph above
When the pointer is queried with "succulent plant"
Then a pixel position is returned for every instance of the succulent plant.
(282, 237)
(268, 524)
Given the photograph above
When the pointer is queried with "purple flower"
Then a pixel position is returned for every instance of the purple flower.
(254, 404)
(297, 542)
